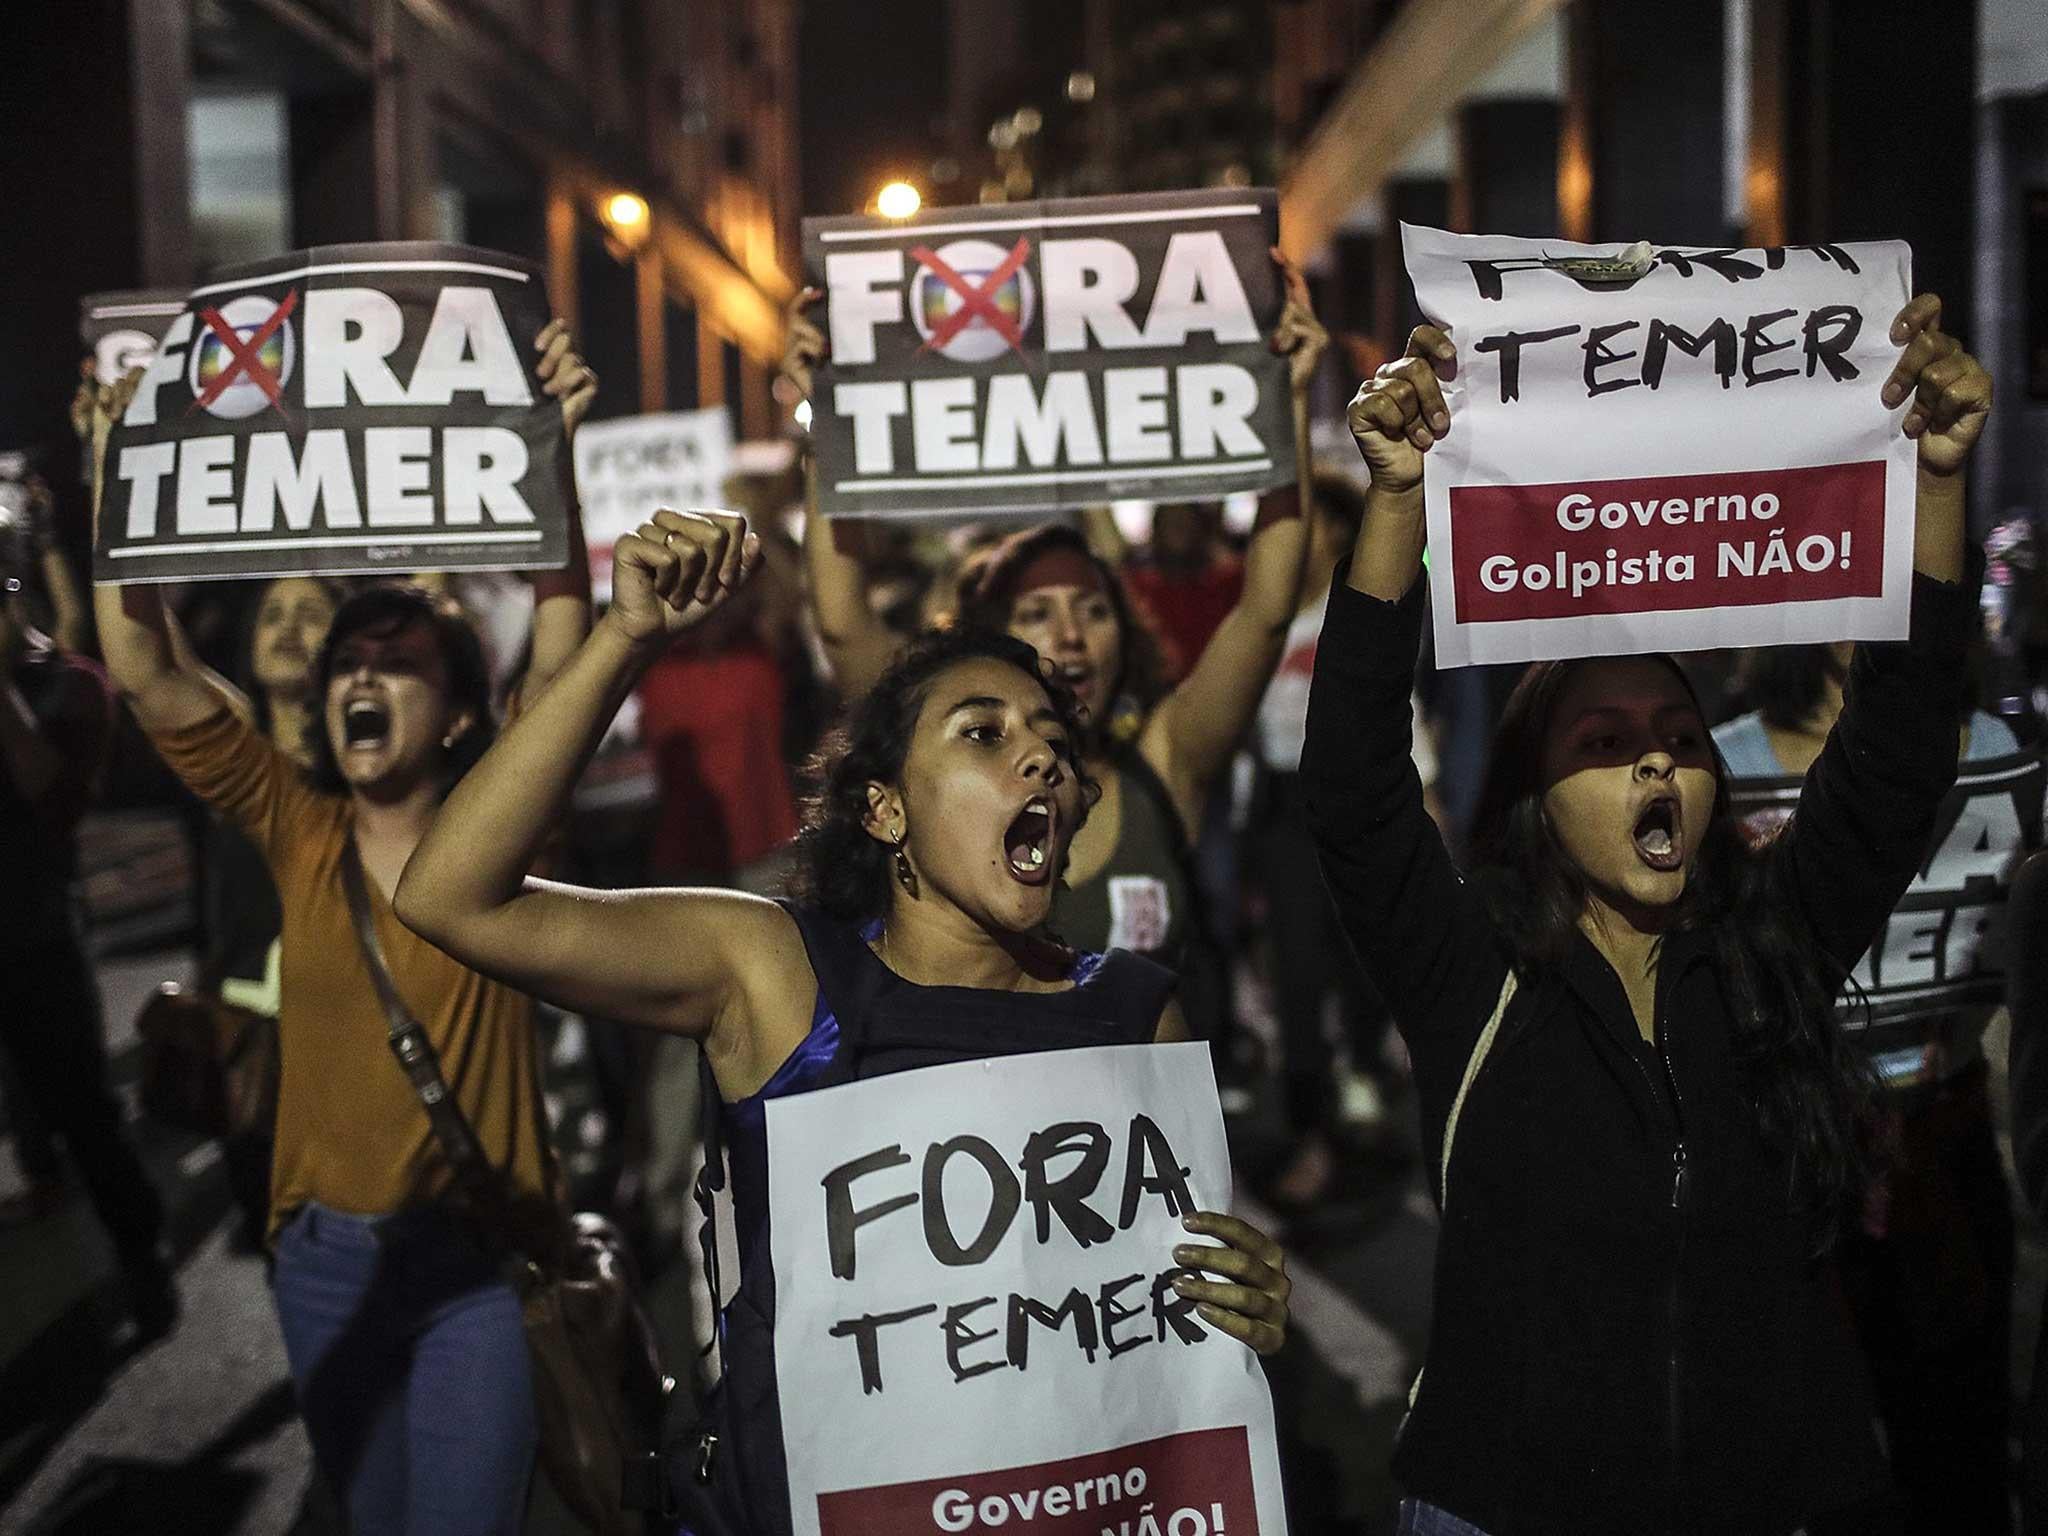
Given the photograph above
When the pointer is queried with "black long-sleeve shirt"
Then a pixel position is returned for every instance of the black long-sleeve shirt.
(1630, 1334)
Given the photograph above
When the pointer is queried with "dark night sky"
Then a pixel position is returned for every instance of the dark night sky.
(873, 77)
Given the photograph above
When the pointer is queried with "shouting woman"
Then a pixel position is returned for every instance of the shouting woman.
(1626, 1021)
(929, 863)
(407, 1349)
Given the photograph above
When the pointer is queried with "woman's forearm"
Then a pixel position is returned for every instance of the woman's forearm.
(1388, 555)
(1940, 524)
(858, 644)
(476, 854)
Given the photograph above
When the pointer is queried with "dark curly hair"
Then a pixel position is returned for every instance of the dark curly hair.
(840, 868)
(1807, 1086)
(385, 610)
(987, 586)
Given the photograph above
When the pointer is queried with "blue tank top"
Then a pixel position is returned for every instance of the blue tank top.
(868, 1022)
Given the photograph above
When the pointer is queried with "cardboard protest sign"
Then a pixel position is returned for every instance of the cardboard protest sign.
(975, 1319)
(1943, 948)
(629, 467)
(349, 409)
(1049, 355)
(1697, 456)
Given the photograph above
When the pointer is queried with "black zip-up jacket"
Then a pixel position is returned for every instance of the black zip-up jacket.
(1630, 1333)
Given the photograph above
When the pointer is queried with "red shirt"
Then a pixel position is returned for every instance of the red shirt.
(714, 724)
(1186, 608)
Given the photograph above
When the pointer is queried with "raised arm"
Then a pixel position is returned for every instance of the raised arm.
(152, 671)
(1868, 806)
(857, 643)
(1421, 933)
(1193, 732)
(561, 599)
(674, 960)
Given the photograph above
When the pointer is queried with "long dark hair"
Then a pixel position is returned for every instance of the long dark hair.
(1808, 1087)
(385, 610)
(987, 587)
(840, 868)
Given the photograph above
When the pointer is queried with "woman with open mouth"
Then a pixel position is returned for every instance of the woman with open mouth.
(1625, 1017)
(928, 866)
(1131, 881)
(406, 1343)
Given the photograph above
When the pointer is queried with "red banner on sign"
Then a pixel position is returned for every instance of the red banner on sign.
(1667, 542)
(1203, 1477)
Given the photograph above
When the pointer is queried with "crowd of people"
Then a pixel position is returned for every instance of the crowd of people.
(1715, 1255)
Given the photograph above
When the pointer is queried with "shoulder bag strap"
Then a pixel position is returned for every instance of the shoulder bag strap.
(1481, 1048)
(474, 1175)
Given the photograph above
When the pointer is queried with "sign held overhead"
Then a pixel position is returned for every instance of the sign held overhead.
(1042, 356)
(344, 410)
(1681, 449)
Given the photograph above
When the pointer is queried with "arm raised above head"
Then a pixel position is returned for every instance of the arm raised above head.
(1193, 733)
(670, 959)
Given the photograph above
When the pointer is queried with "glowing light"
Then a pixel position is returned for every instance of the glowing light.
(1080, 86)
(803, 414)
(624, 210)
(898, 200)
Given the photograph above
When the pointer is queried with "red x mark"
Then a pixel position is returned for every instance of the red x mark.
(974, 301)
(244, 354)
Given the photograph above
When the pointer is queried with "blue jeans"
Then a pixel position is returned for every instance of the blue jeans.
(409, 1358)
(1420, 1519)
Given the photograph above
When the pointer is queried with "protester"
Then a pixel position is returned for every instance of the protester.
(1155, 753)
(406, 1345)
(56, 723)
(929, 863)
(1631, 1018)
(1308, 960)
(1928, 1265)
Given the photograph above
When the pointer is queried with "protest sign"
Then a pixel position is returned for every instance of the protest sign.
(975, 1321)
(1049, 355)
(349, 409)
(120, 330)
(629, 467)
(1943, 949)
(1692, 457)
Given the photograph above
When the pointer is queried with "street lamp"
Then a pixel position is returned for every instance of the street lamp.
(898, 200)
(626, 212)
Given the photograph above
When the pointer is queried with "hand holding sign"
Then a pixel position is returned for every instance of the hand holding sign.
(1951, 390)
(563, 373)
(675, 571)
(1251, 1304)
(804, 344)
(1299, 337)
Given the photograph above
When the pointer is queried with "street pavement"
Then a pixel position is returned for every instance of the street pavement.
(197, 1433)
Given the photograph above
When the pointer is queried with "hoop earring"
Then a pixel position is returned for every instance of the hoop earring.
(905, 875)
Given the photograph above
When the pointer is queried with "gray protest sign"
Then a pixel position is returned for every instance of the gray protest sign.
(343, 410)
(1049, 355)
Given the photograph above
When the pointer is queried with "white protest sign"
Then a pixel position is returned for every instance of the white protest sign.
(975, 1323)
(1694, 457)
(626, 469)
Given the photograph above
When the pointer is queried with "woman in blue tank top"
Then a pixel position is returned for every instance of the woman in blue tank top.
(931, 859)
